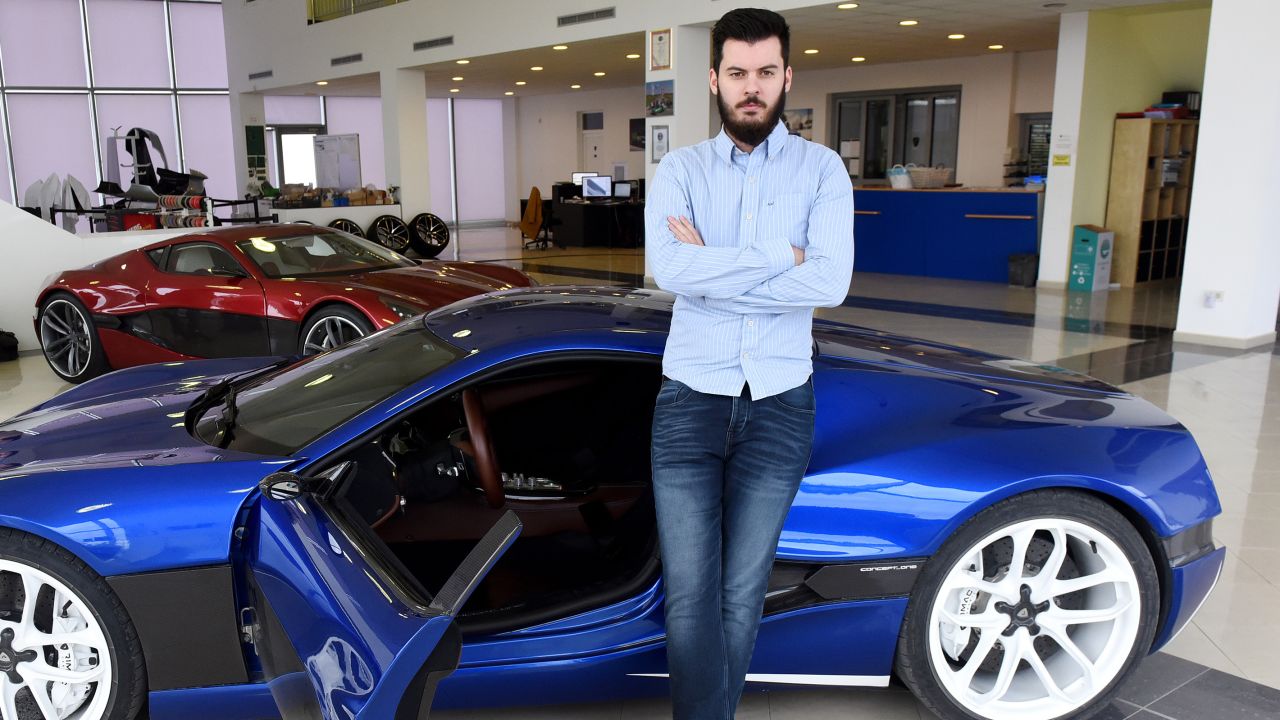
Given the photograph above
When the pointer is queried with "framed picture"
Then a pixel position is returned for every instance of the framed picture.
(637, 133)
(661, 136)
(660, 49)
(660, 98)
(799, 122)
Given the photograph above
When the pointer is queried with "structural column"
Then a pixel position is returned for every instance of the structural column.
(1231, 280)
(248, 118)
(693, 118)
(1060, 185)
(404, 137)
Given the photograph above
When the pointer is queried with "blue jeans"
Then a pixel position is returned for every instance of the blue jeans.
(725, 471)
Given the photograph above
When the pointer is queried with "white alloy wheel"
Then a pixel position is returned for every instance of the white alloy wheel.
(1035, 620)
(54, 656)
(330, 332)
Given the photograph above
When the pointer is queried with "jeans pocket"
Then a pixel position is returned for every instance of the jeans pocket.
(799, 398)
(673, 392)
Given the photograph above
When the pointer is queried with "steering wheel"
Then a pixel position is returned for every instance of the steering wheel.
(481, 449)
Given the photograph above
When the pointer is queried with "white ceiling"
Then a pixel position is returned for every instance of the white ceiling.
(870, 30)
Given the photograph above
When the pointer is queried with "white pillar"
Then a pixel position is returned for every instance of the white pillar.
(404, 137)
(247, 110)
(1060, 186)
(1231, 280)
(692, 121)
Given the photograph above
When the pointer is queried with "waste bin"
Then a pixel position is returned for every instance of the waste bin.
(1023, 268)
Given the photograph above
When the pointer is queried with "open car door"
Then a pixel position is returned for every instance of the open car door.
(341, 632)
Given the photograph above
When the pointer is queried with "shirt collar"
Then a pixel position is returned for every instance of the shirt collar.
(772, 145)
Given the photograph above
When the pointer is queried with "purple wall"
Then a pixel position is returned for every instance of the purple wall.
(482, 180)
(361, 116)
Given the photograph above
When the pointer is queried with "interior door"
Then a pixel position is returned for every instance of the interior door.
(339, 630)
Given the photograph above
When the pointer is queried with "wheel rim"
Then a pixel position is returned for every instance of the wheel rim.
(391, 232)
(329, 333)
(58, 660)
(432, 230)
(1064, 581)
(65, 338)
(347, 226)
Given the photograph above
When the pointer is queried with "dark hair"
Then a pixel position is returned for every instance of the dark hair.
(750, 25)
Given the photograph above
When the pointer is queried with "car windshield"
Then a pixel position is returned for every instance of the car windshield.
(322, 252)
(279, 413)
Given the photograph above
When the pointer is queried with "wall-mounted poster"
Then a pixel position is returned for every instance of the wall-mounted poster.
(661, 136)
(660, 50)
(660, 98)
(799, 122)
(637, 133)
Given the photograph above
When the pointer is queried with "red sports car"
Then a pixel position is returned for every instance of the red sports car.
(248, 290)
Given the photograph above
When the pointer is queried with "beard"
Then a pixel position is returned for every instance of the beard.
(751, 131)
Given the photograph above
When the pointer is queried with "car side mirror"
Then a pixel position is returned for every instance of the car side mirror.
(282, 486)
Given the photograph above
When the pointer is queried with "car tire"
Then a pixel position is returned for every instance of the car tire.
(69, 339)
(428, 234)
(108, 658)
(1081, 629)
(390, 232)
(347, 226)
(330, 327)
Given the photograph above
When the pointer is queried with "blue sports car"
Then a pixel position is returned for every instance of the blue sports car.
(325, 537)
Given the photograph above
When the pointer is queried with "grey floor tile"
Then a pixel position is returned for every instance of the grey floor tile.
(1220, 696)
(843, 704)
(1157, 676)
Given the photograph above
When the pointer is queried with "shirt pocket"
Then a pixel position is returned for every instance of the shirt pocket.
(787, 216)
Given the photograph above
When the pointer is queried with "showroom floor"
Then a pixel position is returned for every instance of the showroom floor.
(1222, 666)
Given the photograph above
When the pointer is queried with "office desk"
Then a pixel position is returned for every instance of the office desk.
(606, 224)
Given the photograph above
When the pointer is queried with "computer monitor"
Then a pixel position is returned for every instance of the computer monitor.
(622, 190)
(577, 177)
(597, 186)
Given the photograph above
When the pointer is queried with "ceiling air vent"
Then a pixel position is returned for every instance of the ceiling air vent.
(589, 16)
(433, 43)
(347, 59)
(261, 75)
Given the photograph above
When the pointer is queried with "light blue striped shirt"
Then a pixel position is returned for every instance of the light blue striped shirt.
(744, 309)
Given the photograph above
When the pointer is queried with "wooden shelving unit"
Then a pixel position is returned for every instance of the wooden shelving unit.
(1152, 163)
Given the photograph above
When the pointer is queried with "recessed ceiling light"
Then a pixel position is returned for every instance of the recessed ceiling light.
(322, 82)
(521, 82)
(559, 47)
(846, 6)
(457, 78)
(599, 74)
(995, 47)
(633, 56)
(574, 87)
(956, 36)
(811, 51)
(508, 93)
(908, 23)
(858, 59)
(463, 62)
(455, 90)
(536, 68)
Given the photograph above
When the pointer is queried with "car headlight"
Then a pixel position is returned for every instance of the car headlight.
(403, 310)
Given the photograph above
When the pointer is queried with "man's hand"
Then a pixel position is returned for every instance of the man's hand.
(798, 253)
(682, 227)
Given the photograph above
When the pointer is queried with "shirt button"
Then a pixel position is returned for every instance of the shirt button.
(751, 179)
(746, 356)
(751, 323)
(748, 216)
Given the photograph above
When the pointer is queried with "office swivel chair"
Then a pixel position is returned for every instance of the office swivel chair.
(536, 219)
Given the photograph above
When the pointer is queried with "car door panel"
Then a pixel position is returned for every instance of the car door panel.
(326, 610)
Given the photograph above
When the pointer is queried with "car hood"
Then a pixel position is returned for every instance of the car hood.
(127, 418)
(430, 284)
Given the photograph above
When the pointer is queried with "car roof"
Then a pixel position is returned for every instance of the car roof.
(238, 233)
(486, 321)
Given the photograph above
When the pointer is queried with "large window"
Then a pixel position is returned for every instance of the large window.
(877, 130)
(100, 64)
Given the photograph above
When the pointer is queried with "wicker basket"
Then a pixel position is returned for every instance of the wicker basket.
(931, 177)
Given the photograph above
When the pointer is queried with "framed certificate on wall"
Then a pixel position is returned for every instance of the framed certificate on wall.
(660, 50)
(661, 136)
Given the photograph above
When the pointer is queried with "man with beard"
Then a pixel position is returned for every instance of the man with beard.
(751, 231)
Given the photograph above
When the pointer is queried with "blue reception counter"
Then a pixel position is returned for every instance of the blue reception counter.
(953, 233)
